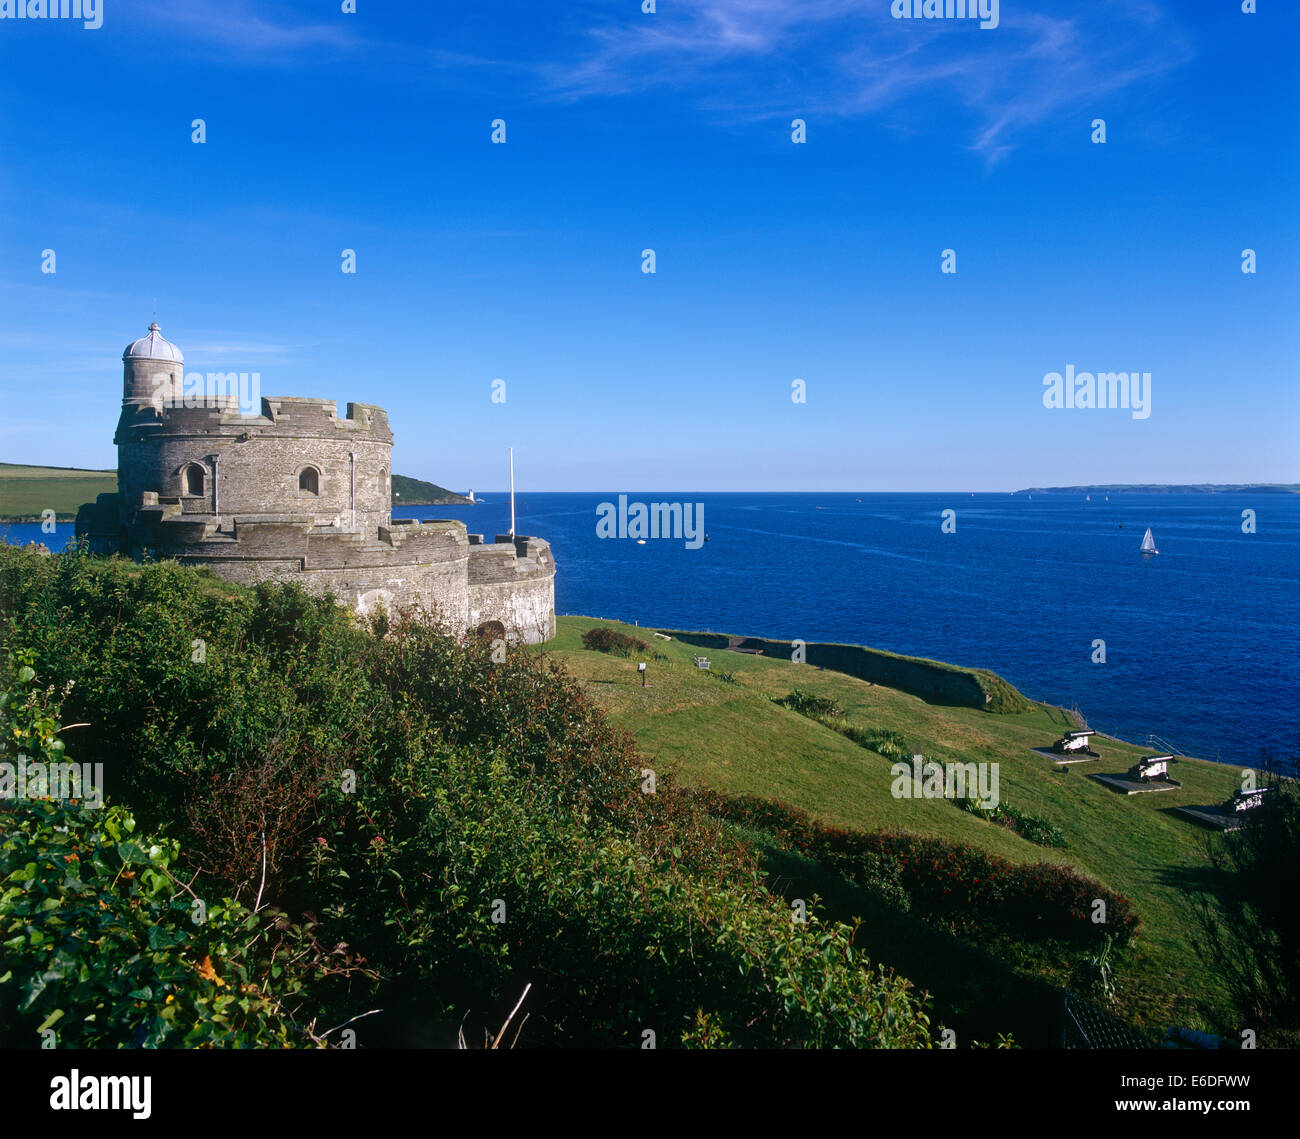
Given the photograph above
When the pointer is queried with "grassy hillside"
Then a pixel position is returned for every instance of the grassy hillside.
(26, 491)
(734, 738)
(416, 492)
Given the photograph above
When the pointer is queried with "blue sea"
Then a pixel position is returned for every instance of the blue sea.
(1202, 642)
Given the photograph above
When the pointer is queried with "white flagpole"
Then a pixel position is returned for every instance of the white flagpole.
(512, 492)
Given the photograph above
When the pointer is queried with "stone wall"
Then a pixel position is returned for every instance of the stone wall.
(929, 679)
(513, 581)
(257, 460)
(526, 608)
(429, 564)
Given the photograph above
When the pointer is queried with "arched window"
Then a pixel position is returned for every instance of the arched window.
(309, 480)
(195, 478)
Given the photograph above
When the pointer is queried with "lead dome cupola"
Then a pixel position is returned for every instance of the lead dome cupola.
(153, 347)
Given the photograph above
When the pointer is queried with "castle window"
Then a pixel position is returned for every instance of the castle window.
(309, 480)
(194, 479)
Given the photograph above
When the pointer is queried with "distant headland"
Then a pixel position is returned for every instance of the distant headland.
(1169, 488)
(417, 492)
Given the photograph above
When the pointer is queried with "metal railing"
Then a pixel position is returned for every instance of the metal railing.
(1082, 1025)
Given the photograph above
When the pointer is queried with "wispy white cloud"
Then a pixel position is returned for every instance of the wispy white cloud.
(240, 30)
(236, 25)
(241, 349)
(763, 58)
(746, 59)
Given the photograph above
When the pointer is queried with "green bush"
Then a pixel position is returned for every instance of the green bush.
(606, 639)
(99, 943)
(1027, 826)
(943, 879)
(404, 786)
(810, 705)
(102, 944)
(828, 713)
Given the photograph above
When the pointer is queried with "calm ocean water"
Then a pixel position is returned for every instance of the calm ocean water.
(1202, 641)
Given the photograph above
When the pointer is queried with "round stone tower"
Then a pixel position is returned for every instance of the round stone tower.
(191, 445)
(262, 488)
(152, 370)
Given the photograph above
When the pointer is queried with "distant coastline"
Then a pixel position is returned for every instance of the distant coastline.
(416, 492)
(1168, 488)
(26, 491)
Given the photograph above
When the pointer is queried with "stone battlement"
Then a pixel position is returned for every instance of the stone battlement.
(298, 493)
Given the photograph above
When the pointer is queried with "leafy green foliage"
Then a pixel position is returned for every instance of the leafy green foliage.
(1027, 826)
(29, 722)
(102, 944)
(98, 943)
(806, 704)
(1253, 940)
(605, 639)
(472, 826)
(828, 713)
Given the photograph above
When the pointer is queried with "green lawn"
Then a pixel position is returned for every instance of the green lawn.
(733, 738)
(27, 491)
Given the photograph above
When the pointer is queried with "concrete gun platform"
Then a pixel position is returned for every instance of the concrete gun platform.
(1125, 784)
(1066, 757)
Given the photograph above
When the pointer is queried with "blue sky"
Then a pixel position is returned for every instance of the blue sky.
(775, 261)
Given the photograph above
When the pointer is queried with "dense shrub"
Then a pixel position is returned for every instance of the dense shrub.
(889, 744)
(1029, 827)
(222, 709)
(471, 826)
(99, 943)
(947, 879)
(1250, 917)
(829, 714)
(606, 639)
(102, 944)
(481, 889)
(810, 705)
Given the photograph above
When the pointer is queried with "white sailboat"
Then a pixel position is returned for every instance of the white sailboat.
(1148, 544)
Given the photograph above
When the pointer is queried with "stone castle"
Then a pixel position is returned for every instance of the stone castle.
(297, 494)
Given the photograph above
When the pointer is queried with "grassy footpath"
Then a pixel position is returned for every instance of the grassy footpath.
(732, 737)
(26, 491)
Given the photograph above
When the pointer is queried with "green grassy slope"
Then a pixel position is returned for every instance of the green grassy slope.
(26, 491)
(734, 738)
